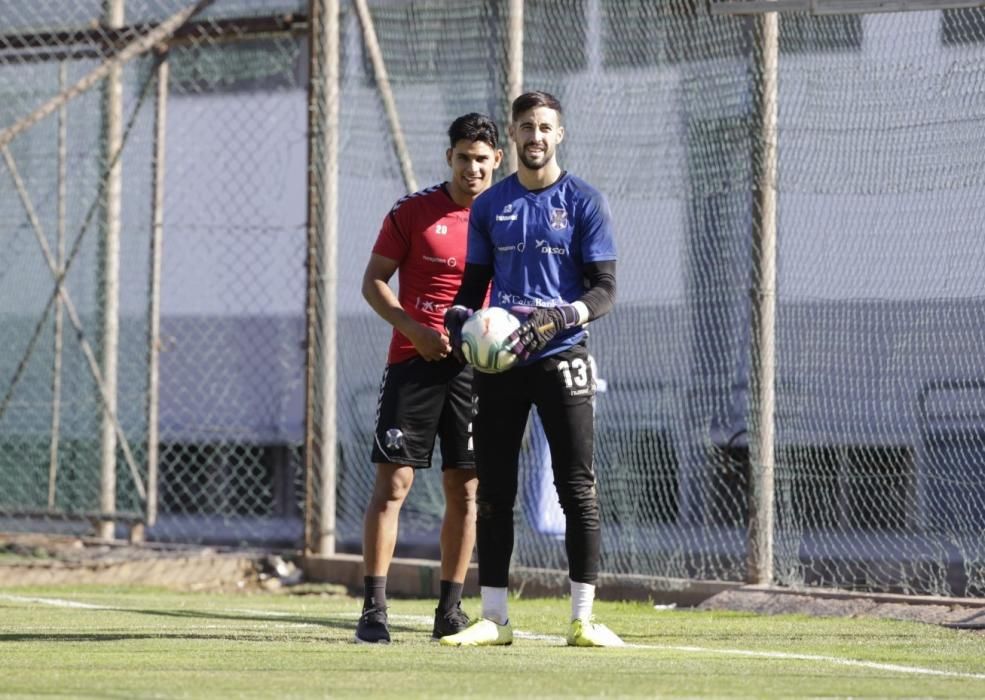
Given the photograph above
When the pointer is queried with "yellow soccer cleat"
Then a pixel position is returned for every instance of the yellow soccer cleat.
(481, 633)
(585, 633)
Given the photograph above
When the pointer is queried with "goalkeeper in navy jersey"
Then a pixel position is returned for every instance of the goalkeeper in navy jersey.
(544, 239)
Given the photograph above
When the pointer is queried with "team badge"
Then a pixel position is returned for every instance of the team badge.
(394, 439)
(559, 219)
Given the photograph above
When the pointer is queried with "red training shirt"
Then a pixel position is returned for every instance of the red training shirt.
(426, 233)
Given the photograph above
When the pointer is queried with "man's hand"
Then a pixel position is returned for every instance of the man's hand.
(539, 329)
(455, 318)
(430, 344)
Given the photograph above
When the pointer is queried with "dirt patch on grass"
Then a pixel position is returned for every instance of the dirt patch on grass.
(948, 612)
(39, 560)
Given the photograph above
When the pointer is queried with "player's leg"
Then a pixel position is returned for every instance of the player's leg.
(459, 483)
(380, 522)
(565, 392)
(390, 489)
(503, 403)
(458, 525)
(457, 543)
(565, 402)
(408, 413)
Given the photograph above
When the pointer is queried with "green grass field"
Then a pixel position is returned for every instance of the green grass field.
(149, 643)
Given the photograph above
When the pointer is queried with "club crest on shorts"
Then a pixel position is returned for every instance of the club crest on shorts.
(394, 439)
(559, 219)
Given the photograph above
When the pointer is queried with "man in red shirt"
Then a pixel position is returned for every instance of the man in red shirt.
(425, 392)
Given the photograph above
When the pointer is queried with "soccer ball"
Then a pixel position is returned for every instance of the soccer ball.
(483, 337)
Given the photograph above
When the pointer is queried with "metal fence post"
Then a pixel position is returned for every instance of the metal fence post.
(762, 500)
(112, 139)
(514, 70)
(154, 313)
(321, 313)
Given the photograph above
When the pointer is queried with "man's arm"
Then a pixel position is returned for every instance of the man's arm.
(471, 295)
(475, 284)
(544, 323)
(600, 296)
(429, 343)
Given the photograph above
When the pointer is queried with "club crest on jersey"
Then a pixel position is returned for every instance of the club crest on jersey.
(394, 439)
(559, 219)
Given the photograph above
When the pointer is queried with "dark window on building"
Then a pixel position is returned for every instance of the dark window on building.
(800, 33)
(964, 26)
(868, 488)
(244, 66)
(640, 33)
(426, 42)
(638, 477)
(554, 36)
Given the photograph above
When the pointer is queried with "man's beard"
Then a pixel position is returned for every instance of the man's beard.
(535, 165)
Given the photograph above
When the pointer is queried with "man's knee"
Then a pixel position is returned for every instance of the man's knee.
(490, 506)
(460, 487)
(392, 484)
(579, 499)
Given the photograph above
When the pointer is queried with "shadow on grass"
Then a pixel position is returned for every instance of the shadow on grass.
(246, 635)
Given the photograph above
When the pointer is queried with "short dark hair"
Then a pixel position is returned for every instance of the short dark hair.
(538, 98)
(474, 127)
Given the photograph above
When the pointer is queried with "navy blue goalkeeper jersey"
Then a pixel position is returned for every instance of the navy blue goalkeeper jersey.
(538, 241)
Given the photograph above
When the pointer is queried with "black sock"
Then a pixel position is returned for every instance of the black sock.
(451, 595)
(375, 592)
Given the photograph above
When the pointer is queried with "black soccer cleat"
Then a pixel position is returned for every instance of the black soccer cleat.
(449, 622)
(373, 627)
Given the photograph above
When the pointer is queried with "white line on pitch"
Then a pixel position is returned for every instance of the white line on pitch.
(837, 660)
(56, 602)
(426, 620)
(264, 613)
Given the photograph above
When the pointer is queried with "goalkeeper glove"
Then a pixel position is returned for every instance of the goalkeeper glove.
(455, 318)
(540, 328)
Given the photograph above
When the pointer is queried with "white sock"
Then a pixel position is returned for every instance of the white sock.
(494, 604)
(582, 597)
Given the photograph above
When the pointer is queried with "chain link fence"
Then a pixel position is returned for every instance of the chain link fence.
(222, 94)
(878, 301)
(878, 373)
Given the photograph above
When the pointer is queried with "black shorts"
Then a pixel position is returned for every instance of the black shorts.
(421, 400)
(562, 387)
